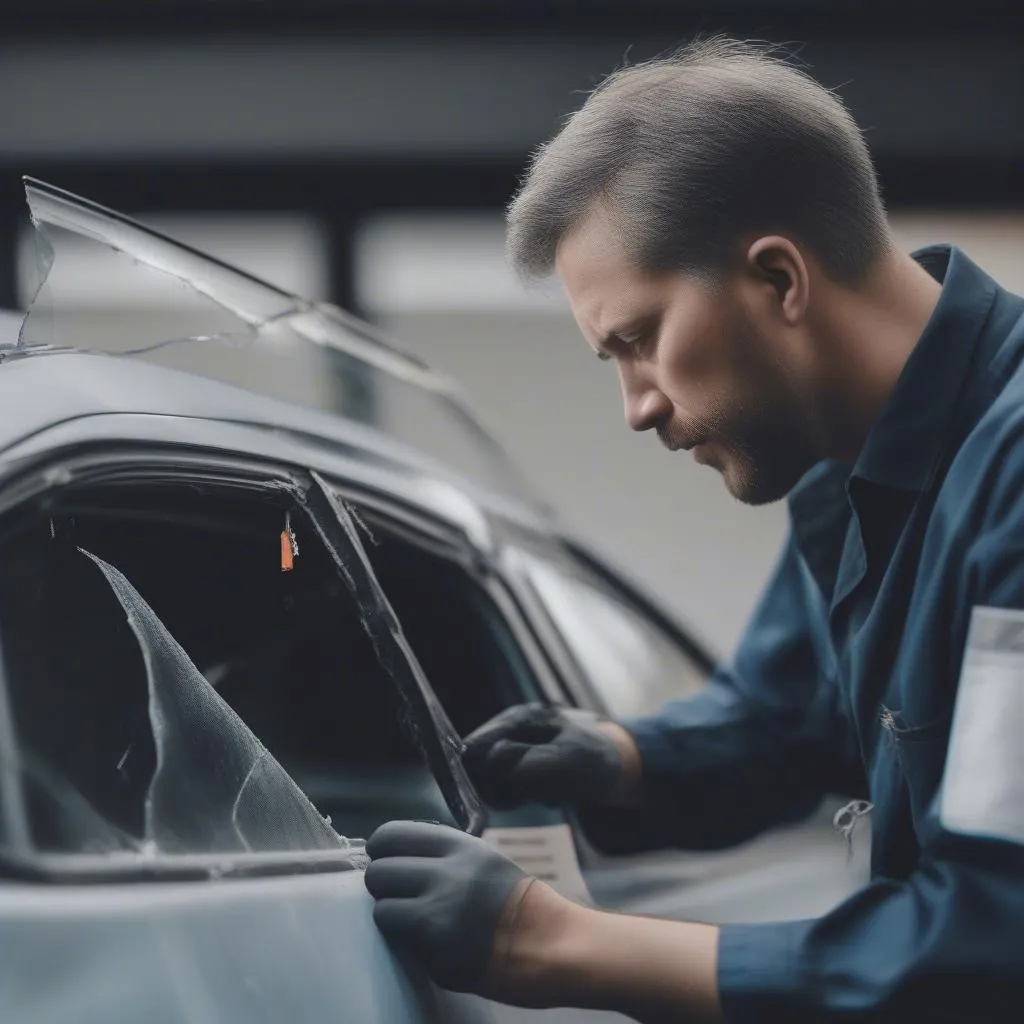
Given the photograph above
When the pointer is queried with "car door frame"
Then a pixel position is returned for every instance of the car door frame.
(147, 464)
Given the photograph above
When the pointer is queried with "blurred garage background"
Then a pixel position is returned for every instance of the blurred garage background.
(363, 150)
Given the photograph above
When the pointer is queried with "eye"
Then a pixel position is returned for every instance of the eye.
(632, 344)
(636, 344)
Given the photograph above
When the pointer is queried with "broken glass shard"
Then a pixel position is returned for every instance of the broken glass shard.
(216, 788)
(187, 311)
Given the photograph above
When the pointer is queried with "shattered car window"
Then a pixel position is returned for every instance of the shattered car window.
(208, 785)
(193, 313)
(196, 671)
(216, 788)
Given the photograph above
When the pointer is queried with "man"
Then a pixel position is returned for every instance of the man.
(716, 222)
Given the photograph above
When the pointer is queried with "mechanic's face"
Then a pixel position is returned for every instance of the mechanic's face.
(704, 367)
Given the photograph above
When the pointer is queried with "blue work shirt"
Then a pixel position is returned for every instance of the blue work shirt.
(875, 666)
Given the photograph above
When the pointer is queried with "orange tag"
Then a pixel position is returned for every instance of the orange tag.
(289, 545)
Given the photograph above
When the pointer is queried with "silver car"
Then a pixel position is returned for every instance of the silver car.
(260, 572)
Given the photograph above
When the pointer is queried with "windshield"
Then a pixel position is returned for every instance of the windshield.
(197, 314)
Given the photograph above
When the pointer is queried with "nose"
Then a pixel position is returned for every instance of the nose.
(645, 405)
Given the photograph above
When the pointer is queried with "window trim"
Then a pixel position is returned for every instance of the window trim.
(87, 868)
(441, 745)
(97, 465)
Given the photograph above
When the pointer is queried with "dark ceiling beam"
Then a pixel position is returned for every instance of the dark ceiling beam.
(343, 192)
(80, 18)
(336, 98)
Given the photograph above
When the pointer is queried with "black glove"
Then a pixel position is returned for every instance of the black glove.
(440, 895)
(536, 753)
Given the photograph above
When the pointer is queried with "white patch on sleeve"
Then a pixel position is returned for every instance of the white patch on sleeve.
(983, 785)
(545, 851)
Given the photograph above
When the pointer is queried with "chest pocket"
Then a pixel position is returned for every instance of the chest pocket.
(921, 754)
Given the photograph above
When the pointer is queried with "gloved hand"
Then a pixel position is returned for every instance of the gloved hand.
(441, 894)
(537, 753)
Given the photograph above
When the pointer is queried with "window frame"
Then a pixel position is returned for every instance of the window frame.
(148, 463)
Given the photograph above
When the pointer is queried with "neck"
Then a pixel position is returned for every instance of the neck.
(872, 330)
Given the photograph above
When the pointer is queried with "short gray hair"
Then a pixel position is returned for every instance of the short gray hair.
(692, 152)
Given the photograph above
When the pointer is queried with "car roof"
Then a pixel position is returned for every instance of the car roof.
(65, 399)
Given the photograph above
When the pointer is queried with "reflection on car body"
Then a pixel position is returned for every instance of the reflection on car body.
(193, 741)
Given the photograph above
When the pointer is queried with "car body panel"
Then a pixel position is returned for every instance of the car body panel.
(297, 948)
(44, 391)
(301, 948)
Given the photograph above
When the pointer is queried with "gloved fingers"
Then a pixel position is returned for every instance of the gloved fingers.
(411, 839)
(492, 773)
(503, 782)
(481, 739)
(450, 925)
(398, 877)
(530, 723)
(503, 758)
(397, 919)
(538, 775)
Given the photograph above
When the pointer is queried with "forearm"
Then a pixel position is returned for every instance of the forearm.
(652, 970)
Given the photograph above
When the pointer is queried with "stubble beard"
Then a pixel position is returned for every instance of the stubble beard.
(766, 448)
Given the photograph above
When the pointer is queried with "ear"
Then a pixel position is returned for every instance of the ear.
(778, 264)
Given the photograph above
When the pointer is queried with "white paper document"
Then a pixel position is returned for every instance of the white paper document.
(547, 852)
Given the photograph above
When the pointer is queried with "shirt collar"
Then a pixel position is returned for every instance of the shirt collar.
(910, 434)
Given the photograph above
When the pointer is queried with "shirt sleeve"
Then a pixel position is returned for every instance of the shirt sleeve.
(757, 747)
(946, 943)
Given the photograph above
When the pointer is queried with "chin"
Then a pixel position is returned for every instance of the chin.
(758, 497)
(753, 488)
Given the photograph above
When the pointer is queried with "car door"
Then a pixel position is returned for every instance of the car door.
(627, 659)
(193, 646)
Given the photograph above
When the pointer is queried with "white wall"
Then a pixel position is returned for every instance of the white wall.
(440, 286)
